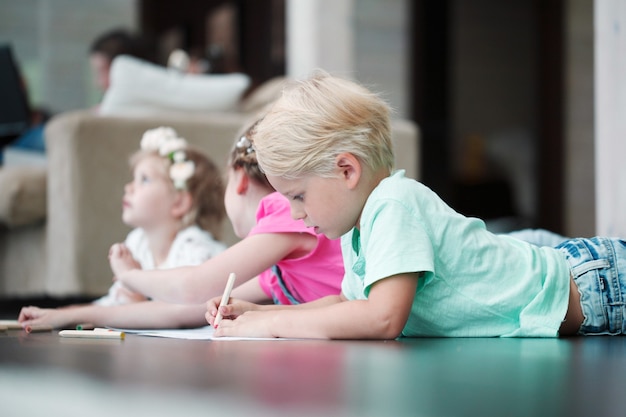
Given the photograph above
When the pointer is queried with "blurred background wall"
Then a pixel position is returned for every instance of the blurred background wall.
(503, 92)
(50, 40)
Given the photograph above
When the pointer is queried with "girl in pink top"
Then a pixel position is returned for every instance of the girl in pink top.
(301, 279)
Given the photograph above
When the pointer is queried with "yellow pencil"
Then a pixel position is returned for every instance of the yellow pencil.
(93, 334)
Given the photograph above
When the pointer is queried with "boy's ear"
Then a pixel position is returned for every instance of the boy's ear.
(183, 204)
(349, 168)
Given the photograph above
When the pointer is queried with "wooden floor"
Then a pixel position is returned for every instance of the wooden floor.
(43, 374)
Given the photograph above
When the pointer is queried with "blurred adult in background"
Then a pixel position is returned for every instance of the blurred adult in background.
(102, 51)
(111, 44)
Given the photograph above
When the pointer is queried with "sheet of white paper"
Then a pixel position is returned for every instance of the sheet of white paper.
(200, 333)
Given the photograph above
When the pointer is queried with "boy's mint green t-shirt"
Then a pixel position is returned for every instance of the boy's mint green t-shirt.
(475, 284)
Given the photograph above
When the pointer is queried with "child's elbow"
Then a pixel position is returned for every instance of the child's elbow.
(391, 327)
(392, 332)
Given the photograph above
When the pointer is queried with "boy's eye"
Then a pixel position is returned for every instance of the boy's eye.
(144, 179)
(299, 197)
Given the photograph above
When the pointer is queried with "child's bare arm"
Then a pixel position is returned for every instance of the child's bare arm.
(197, 284)
(126, 295)
(146, 314)
(382, 316)
(250, 291)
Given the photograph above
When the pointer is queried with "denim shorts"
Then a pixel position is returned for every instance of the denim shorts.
(598, 266)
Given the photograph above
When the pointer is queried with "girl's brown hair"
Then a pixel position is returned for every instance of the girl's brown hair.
(207, 192)
(243, 155)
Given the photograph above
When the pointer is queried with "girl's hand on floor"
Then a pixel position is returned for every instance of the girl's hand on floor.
(34, 315)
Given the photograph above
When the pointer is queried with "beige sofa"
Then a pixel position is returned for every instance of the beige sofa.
(87, 167)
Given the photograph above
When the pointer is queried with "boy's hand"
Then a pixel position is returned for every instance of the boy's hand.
(250, 324)
(232, 310)
(121, 260)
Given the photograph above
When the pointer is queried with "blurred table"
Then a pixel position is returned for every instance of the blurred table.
(43, 373)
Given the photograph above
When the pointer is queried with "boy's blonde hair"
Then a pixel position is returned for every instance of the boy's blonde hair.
(205, 186)
(316, 120)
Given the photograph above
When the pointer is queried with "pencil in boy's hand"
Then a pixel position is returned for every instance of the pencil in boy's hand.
(225, 297)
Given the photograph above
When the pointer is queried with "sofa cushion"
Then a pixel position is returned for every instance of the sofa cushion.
(22, 195)
(141, 88)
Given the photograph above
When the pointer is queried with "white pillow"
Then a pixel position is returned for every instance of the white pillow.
(141, 88)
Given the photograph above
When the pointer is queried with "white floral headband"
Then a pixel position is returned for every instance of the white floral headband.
(165, 140)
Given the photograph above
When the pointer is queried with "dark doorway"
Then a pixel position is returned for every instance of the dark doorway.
(435, 93)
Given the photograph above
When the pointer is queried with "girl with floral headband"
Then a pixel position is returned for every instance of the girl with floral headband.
(174, 201)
